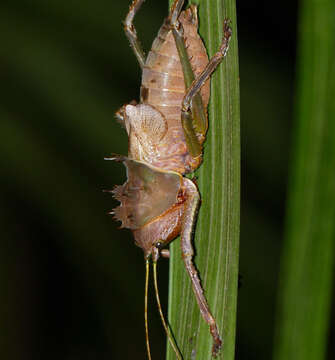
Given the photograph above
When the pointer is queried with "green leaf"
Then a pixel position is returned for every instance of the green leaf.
(308, 255)
(217, 234)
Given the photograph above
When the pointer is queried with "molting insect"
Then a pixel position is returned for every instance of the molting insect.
(166, 130)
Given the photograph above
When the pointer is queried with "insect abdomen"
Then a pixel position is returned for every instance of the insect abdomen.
(163, 84)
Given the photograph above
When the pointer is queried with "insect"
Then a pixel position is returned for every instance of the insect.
(166, 130)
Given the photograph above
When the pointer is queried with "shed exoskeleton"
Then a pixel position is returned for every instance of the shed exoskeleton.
(166, 130)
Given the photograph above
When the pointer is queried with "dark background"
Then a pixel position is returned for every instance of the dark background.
(71, 284)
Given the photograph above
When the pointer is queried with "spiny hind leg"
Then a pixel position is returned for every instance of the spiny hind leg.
(195, 122)
(131, 33)
(189, 220)
(197, 83)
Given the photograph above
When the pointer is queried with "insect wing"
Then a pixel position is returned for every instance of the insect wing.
(147, 193)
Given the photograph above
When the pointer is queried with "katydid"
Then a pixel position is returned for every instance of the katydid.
(166, 130)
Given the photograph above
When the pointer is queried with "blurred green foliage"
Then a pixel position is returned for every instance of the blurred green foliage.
(307, 264)
(71, 284)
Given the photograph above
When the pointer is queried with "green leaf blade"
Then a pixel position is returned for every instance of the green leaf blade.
(217, 233)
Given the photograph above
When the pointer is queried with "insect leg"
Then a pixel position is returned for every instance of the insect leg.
(131, 33)
(175, 10)
(196, 120)
(189, 219)
(197, 83)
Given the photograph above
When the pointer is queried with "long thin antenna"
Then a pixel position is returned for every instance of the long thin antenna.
(167, 330)
(147, 269)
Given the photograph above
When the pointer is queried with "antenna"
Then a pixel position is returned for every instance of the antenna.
(147, 268)
(167, 330)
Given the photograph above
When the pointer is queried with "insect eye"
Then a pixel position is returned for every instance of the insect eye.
(159, 245)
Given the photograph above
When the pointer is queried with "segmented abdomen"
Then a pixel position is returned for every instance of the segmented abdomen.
(163, 88)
